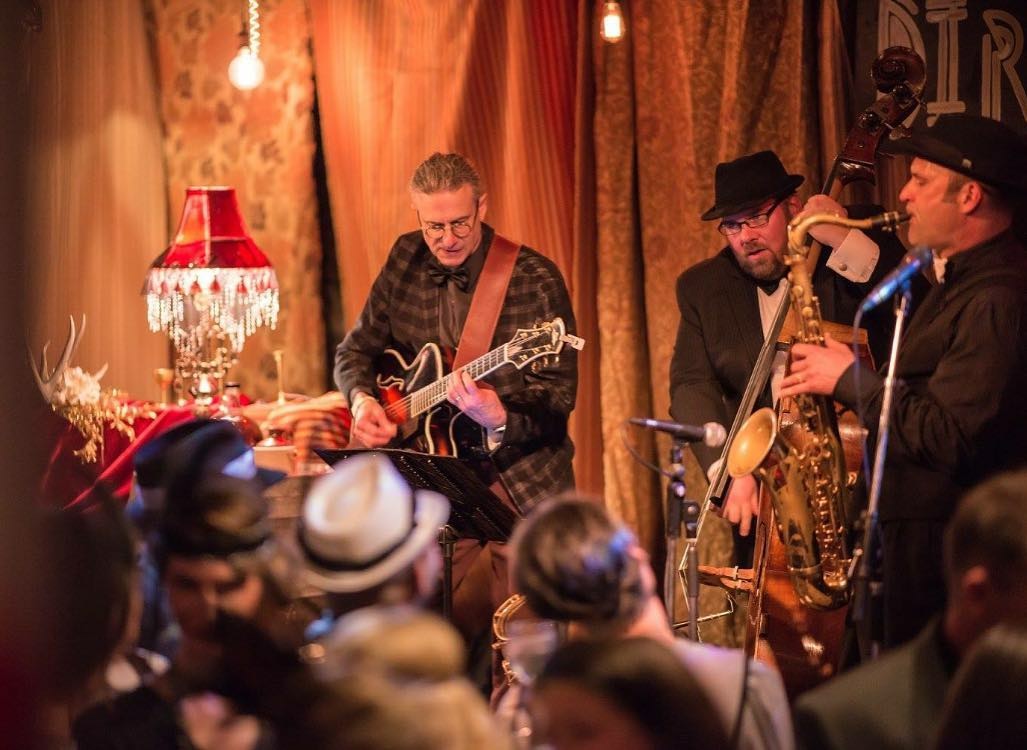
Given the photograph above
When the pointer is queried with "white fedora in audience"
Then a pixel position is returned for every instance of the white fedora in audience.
(362, 524)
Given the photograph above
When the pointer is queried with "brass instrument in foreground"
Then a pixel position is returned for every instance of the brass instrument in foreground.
(804, 472)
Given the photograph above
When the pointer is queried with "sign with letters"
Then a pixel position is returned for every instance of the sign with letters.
(974, 50)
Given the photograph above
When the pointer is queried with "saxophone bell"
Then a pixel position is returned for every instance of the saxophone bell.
(758, 447)
(761, 450)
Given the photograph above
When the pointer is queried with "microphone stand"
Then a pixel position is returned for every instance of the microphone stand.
(680, 509)
(863, 594)
(691, 511)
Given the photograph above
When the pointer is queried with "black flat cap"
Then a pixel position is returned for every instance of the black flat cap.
(980, 148)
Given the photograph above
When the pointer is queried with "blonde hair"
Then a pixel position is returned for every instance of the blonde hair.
(403, 642)
(407, 665)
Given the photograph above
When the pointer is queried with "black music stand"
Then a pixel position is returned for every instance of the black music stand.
(475, 511)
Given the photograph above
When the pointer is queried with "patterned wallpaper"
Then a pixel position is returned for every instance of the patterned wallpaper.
(259, 142)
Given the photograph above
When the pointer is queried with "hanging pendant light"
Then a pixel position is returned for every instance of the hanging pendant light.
(611, 24)
(246, 71)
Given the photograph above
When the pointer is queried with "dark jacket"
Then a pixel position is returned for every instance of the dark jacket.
(719, 335)
(960, 399)
(894, 703)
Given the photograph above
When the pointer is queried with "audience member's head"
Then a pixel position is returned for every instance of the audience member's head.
(216, 448)
(91, 573)
(365, 537)
(150, 465)
(402, 641)
(986, 558)
(628, 693)
(171, 468)
(415, 661)
(573, 562)
(985, 707)
(211, 547)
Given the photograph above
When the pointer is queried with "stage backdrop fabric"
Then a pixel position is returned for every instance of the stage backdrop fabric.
(502, 83)
(94, 194)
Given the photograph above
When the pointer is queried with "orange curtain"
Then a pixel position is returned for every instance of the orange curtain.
(503, 83)
(95, 187)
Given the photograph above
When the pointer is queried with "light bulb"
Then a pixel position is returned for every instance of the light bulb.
(612, 24)
(246, 71)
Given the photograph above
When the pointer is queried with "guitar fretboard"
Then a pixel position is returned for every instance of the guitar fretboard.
(423, 399)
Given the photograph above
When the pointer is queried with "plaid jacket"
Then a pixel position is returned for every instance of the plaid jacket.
(534, 458)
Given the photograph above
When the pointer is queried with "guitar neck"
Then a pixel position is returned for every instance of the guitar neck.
(434, 394)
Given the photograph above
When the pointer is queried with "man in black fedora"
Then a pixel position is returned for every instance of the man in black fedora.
(961, 396)
(727, 302)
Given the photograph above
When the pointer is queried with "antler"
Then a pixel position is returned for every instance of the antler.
(50, 382)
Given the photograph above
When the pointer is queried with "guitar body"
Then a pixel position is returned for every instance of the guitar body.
(412, 388)
(442, 430)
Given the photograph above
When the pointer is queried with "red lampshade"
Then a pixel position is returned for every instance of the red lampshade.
(211, 234)
(212, 274)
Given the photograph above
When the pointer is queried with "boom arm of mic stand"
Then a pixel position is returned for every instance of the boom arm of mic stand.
(675, 498)
(679, 509)
(861, 605)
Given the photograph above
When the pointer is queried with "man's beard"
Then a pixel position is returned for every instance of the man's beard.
(766, 267)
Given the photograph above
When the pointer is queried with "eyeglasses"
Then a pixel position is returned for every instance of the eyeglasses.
(460, 228)
(728, 228)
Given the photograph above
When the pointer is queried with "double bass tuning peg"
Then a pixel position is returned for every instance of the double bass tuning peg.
(899, 132)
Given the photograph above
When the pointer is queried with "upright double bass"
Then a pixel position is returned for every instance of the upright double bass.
(799, 589)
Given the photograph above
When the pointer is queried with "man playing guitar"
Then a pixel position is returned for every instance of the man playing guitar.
(422, 296)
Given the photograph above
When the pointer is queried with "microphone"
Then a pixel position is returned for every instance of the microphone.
(711, 433)
(910, 265)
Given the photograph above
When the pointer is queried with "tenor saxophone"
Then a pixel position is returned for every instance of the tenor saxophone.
(805, 472)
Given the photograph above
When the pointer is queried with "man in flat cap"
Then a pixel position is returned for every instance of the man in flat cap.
(727, 302)
(961, 390)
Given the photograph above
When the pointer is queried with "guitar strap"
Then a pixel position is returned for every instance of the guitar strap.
(482, 317)
(487, 301)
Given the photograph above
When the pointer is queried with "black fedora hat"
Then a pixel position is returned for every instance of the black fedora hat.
(980, 148)
(748, 181)
(217, 448)
(150, 461)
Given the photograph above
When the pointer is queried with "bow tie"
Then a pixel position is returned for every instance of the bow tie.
(440, 274)
(768, 287)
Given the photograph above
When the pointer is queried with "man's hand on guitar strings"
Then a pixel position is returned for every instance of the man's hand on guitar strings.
(480, 403)
(371, 427)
